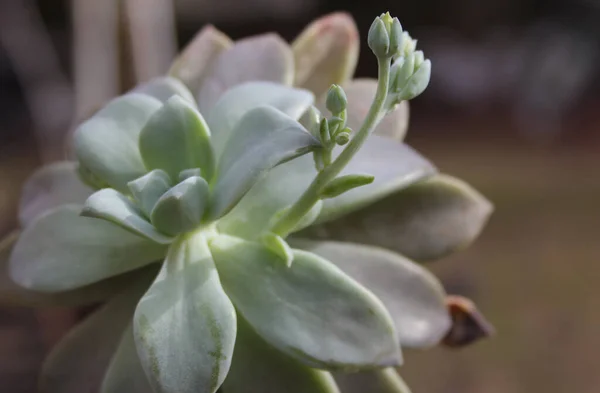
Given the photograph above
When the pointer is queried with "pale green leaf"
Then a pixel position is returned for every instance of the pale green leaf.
(78, 362)
(413, 296)
(107, 143)
(263, 138)
(12, 294)
(312, 311)
(176, 138)
(185, 325)
(125, 373)
(114, 207)
(394, 166)
(236, 102)
(326, 52)
(376, 381)
(181, 208)
(147, 189)
(51, 186)
(164, 87)
(196, 60)
(62, 250)
(424, 222)
(265, 57)
(259, 368)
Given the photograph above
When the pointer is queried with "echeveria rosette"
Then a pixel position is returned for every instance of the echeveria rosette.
(276, 346)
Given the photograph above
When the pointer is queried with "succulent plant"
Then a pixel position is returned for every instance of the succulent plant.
(234, 224)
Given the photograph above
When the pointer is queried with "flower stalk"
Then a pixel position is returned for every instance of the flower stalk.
(288, 221)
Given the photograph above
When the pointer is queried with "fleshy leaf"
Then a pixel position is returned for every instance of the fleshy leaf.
(125, 373)
(195, 62)
(394, 166)
(413, 296)
(12, 294)
(114, 207)
(236, 102)
(78, 362)
(185, 325)
(312, 311)
(424, 222)
(147, 189)
(62, 250)
(259, 368)
(164, 87)
(176, 138)
(360, 93)
(261, 58)
(263, 138)
(51, 186)
(181, 208)
(326, 52)
(107, 143)
(376, 381)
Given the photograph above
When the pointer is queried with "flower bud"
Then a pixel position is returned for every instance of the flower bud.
(418, 82)
(378, 38)
(396, 37)
(343, 137)
(404, 71)
(408, 44)
(419, 58)
(336, 100)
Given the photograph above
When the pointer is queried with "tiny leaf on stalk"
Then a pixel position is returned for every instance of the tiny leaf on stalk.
(345, 183)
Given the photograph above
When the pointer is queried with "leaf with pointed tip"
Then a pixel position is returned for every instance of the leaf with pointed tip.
(181, 208)
(264, 57)
(176, 138)
(51, 186)
(413, 296)
(12, 294)
(149, 188)
(312, 311)
(114, 207)
(125, 373)
(263, 138)
(61, 251)
(164, 87)
(78, 362)
(237, 101)
(196, 60)
(107, 143)
(326, 52)
(185, 325)
(424, 222)
(394, 166)
(360, 93)
(259, 368)
(380, 381)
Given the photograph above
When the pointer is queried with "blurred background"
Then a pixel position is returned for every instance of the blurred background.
(513, 108)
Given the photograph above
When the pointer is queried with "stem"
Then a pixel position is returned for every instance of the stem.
(311, 196)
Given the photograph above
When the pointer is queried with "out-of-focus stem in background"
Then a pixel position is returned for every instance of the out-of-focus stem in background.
(95, 54)
(45, 86)
(152, 32)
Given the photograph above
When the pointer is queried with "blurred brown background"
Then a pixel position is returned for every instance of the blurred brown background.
(513, 108)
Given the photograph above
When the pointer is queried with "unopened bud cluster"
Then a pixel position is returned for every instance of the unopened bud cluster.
(330, 131)
(410, 71)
